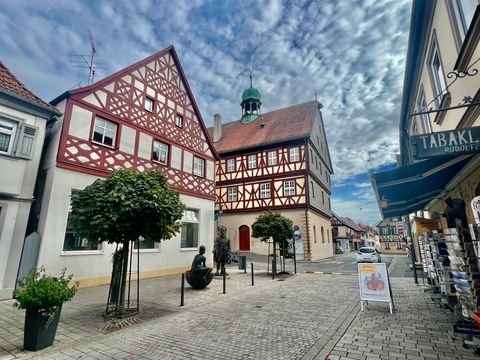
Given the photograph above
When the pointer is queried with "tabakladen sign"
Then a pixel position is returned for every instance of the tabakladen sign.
(454, 142)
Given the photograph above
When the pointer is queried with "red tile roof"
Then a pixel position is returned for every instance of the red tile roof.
(294, 122)
(10, 84)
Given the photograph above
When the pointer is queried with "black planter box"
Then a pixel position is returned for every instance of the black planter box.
(37, 335)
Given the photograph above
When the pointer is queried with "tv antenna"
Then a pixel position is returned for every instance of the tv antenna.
(88, 61)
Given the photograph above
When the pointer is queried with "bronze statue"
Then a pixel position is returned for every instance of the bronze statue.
(199, 276)
(221, 250)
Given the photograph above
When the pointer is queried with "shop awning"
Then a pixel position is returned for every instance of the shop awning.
(410, 188)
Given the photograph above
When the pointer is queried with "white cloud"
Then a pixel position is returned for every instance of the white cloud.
(350, 52)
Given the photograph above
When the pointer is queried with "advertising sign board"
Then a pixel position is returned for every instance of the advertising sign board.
(453, 142)
(374, 283)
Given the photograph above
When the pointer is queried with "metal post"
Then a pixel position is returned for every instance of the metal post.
(294, 257)
(224, 283)
(274, 261)
(251, 267)
(245, 265)
(182, 291)
(412, 247)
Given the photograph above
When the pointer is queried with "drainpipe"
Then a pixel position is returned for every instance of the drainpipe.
(307, 160)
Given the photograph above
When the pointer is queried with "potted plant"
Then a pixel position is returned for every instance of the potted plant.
(42, 297)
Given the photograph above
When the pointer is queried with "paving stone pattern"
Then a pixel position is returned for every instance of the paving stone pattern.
(297, 317)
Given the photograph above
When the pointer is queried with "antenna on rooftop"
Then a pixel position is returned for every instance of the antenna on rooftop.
(87, 61)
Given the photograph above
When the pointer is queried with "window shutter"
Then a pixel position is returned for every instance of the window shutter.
(26, 141)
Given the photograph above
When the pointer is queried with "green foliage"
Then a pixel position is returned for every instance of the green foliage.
(125, 206)
(37, 291)
(273, 224)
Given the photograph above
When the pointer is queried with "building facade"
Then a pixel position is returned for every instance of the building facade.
(23, 120)
(346, 233)
(143, 117)
(391, 233)
(274, 161)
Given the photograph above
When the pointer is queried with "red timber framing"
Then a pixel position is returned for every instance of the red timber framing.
(121, 99)
(240, 190)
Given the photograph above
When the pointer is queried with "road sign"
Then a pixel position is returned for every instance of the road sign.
(296, 234)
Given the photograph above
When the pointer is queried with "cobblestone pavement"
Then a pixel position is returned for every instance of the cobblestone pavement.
(305, 316)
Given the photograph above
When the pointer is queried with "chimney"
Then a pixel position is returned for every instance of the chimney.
(217, 127)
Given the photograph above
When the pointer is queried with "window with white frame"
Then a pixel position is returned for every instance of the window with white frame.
(7, 134)
(149, 104)
(294, 154)
(422, 106)
(265, 190)
(464, 11)
(104, 132)
(232, 194)
(145, 244)
(289, 188)
(437, 71)
(252, 161)
(198, 166)
(231, 165)
(160, 152)
(272, 158)
(189, 233)
(73, 242)
(179, 120)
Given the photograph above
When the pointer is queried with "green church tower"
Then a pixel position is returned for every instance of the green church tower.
(250, 104)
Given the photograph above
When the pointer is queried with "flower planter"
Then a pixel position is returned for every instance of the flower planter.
(39, 330)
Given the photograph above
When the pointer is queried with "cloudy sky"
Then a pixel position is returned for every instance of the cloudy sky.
(352, 53)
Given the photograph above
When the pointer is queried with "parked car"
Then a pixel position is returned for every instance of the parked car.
(368, 254)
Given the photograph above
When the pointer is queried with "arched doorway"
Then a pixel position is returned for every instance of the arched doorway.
(244, 234)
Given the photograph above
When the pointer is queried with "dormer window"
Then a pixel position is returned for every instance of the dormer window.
(179, 120)
(148, 104)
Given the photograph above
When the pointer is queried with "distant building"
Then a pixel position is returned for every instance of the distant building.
(346, 233)
(23, 120)
(392, 236)
(142, 117)
(274, 161)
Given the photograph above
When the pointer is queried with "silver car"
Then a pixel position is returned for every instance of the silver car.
(368, 254)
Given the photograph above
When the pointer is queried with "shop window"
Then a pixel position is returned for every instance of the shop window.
(189, 233)
(104, 132)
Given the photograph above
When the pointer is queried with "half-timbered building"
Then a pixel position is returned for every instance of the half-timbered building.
(274, 161)
(143, 117)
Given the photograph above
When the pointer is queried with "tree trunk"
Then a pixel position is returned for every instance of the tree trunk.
(123, 286)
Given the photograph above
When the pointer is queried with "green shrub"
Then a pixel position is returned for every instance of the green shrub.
(43, 293)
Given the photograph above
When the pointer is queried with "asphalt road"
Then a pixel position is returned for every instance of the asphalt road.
(344, 263)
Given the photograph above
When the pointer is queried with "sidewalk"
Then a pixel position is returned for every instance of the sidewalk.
(294, 317)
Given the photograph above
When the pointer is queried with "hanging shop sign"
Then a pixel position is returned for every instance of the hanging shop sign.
(374, 284)
(453, 142)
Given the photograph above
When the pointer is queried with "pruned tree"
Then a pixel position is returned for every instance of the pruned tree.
(273, 225)
(124, 207)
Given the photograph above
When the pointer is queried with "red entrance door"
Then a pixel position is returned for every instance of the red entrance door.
(244, 238)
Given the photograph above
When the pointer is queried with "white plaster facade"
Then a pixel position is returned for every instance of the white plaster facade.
(17, 180)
